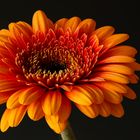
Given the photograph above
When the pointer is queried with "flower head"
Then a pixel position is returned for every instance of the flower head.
(47, 66)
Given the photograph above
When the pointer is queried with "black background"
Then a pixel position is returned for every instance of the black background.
(124, 16)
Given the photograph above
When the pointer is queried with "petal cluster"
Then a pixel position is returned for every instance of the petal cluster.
(46, 66)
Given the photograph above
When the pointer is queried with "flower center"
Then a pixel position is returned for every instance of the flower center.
(52, 66)
(57, 59)
(41, 61)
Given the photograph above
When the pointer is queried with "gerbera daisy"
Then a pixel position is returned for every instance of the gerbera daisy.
(46, 66)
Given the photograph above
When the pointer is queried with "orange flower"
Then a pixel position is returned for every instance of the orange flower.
(46, 66)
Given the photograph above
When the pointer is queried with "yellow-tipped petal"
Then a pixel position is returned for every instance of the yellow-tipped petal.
(80, 95)
(52, 102)
(104, 32)
(87, 26)
(90, 111)
(72, 23)
(104, 109)
(58, 127)
(117, 110)
(4, 125)
(16, 116)
(40, 22)
(35, 111)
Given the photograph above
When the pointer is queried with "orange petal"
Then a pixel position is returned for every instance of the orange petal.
(15, 32)
(66, 87)
(72, 23)
(80, 96)
(35, 111)
(115, 39)
(117, 110)
(58, 127)
(118, 68)
(4, 34)
(104, 109)
(90, 111)
(87, 26)
(130, 93)
(30, 95)
(133, 78)
(4, 96)
(115, 87)
(9, 85)
(96, 93)
(4, 125)
(21, 29)
(8, 52)
(60, 23)
(20, 37)
(95, 79)
(40, 22)
(4, 53)
(94, 42)
(25, 29)
(5, 77)
(3, 70)
(13, 101)
(52, 102)
(112, 96)
(104, 32)
(117, 59)
(16, 116)
(116, 77)
(65, 110)
(122, 50)
(135, 66)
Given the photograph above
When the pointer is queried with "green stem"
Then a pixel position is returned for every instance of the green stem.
(68, 134)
